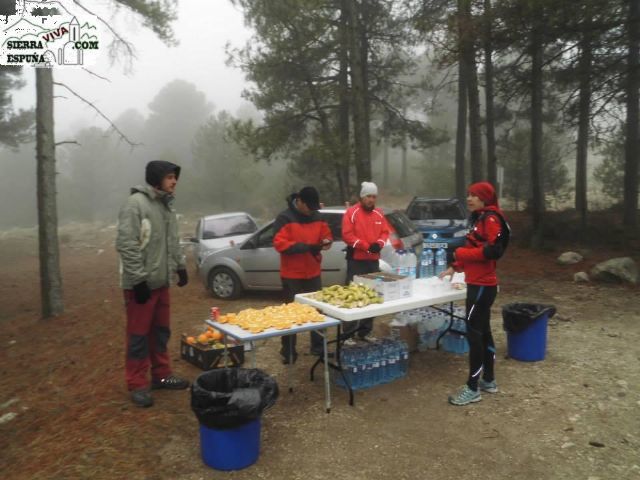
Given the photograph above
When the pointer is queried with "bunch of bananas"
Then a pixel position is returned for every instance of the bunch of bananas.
(354, 296)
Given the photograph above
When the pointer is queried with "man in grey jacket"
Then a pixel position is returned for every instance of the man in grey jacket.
(150, 253)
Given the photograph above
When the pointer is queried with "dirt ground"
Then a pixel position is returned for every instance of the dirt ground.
(574, 415)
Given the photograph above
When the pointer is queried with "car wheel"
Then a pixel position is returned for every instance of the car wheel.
(224, 283)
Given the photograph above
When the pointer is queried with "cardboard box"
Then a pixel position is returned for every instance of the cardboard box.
(388, 285)
(208, 358)
(406, 333)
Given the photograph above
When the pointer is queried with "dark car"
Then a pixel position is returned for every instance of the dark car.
(442, 222)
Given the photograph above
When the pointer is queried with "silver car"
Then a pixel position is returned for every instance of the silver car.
(215, 232)
(255, 265)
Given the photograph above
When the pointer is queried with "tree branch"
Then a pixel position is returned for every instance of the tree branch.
(68, 142)
(96, 75)
(120, 133)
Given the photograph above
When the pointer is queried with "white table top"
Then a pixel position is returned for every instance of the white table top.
(243, 336)
(426, 292)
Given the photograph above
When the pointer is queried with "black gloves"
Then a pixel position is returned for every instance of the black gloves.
(183, 278)
(375, 248)
(316, 248)
(141, 293)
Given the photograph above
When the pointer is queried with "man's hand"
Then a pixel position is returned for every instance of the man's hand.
(375, 248)
(141, 293)
(447, 272)
(316, 248)
(183, 277)
(326, 244)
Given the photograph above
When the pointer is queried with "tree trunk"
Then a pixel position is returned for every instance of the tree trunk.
(632, 149)
(584, 69)
(404, 181)
(492, 162)
(358, 95)
(385, 164)
(469, 56)
(50, 278)
(537, 192)
(461, 129)
(343, 104)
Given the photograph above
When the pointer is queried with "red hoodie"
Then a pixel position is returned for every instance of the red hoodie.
(470, 258)
(361, 228)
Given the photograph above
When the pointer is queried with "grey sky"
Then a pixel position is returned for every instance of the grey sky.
(203, 29)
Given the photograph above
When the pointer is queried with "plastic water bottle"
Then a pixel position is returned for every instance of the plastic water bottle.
(441, 261)
(383, 361)
(426, 263)
(396, 262)
(404, 358)
(412, 261)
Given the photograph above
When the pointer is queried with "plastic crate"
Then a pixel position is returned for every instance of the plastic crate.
(208, 358)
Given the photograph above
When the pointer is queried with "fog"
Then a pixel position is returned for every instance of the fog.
(175, 104)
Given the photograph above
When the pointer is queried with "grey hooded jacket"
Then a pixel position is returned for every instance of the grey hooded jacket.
(147, 239)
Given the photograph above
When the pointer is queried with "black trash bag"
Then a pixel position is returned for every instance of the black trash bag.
(517, 317)
(231, 397)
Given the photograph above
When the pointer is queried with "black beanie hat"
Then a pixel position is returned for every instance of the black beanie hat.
(310, 197)
(156, 170)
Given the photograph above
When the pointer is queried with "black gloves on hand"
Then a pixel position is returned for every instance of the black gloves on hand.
(375, 248)
(141, 293)
(183, 278)
(315, 249)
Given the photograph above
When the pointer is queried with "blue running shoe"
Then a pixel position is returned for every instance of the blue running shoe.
(465, 396)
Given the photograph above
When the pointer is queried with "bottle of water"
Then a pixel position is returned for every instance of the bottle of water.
(404, 358)
(426, 263)
(441, 261)
(412, 262)
(397, 353)
(356, 368)
(383, 360)
(396, 262)
(401, 264)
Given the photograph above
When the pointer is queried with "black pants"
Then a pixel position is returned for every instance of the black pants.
(482, 350)
(290, 288)
(360, 267)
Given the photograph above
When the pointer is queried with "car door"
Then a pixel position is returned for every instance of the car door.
(260, 261)
(334, 265)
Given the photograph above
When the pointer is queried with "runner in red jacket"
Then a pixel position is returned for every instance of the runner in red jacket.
(300, 236)
(481, 279)
(365, 231)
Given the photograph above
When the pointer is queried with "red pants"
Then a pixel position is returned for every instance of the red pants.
(148, 333)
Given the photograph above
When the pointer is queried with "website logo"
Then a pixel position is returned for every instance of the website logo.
(49, 33)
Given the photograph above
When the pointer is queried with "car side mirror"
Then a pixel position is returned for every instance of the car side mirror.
(250, 244)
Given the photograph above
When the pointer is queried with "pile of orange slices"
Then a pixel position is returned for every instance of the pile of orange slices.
(281, 317)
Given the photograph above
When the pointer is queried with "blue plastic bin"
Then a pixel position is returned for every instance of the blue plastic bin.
(530, 345)
(230, 449)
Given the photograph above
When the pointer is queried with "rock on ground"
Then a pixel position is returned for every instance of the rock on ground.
(569, 258)
(581, 277)
(622, 269)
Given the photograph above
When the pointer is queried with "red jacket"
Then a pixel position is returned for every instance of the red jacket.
(470, 258)
(295, 233)
(361, 228)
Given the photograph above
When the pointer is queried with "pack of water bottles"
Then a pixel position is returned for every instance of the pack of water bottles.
(367, 364)
(432, 262)
(405, 263)
(455, 341)
(430, 323)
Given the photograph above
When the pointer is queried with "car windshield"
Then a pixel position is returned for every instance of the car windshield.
(435, 211)
(401, 224)
(228, 226)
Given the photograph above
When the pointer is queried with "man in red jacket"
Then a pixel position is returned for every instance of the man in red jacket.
(365, 231)
(300, 236)
(481, 279)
